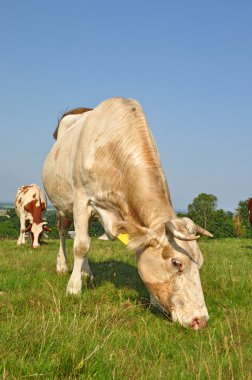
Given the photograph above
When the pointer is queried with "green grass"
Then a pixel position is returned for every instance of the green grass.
(110, 331)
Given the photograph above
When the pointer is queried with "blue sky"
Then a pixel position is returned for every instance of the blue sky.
(189, 63)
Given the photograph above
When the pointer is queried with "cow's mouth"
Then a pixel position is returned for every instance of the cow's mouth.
(194, 323)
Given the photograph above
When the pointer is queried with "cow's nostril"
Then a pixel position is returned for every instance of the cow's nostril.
(199, 323)
(195, 323)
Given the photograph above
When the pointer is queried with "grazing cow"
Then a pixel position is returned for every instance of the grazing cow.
(107, 165)
(30, 206)
(250, 213)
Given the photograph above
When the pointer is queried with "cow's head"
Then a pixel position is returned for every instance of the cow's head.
(36, 230)
(168, 261)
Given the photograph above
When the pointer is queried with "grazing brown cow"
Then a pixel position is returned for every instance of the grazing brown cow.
(250, 213)
(30, 206)
(106, 164)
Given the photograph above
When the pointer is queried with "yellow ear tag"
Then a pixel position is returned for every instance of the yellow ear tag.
(124, 238)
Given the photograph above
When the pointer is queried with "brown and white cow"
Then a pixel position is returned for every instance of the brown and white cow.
(250, 213)
(106, 163)
(30, 206)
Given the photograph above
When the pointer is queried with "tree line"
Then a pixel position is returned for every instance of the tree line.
(203, 211)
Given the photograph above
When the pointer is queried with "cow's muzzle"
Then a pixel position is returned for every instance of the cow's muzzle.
(198, 323)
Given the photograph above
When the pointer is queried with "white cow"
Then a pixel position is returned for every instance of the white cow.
(30, 206)
(105, 163)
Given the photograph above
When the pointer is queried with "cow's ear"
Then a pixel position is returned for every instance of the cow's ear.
(28, 228)
(55, 133)
(47, 229)
(139, 237)
(124, 227)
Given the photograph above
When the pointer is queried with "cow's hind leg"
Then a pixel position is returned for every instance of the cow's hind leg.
(81, 267)
(21, 239)
(62, 224)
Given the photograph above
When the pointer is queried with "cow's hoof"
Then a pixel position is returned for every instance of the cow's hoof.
(88, 275)
(74, 289)
(61, 272)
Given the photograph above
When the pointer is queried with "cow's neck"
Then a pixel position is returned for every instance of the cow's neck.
(150, 204)
(145, 212)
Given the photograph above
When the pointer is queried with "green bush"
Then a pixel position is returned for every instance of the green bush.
(242, 211)
(222, 224)
(8, 230)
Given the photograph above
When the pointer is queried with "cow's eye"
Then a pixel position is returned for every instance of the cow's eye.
(178, 264)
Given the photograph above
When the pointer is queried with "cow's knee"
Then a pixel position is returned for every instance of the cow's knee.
(81, 247)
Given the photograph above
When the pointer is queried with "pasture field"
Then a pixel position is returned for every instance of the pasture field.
(110, 331)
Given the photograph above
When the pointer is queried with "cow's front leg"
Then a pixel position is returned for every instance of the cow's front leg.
(81, 247)
(21, 239)
(63, 224)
